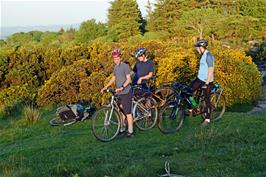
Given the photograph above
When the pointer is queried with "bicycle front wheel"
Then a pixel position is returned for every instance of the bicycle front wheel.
(171, 117)
(145, 113)
(105, 124)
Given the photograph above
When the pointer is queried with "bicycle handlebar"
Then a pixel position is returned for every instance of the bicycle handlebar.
(110, 91)
(138, 86)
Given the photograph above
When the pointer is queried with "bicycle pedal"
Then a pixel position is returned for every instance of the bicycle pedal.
(189, 112)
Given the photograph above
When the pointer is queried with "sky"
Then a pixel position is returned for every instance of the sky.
(43, 13)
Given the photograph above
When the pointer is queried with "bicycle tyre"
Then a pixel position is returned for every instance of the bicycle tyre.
(57, 121)
(163, 94)
(167, 123)
(146, 118)
(218, 108)
(102, 130)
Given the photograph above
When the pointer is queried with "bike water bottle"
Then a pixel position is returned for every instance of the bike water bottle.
(192, 101)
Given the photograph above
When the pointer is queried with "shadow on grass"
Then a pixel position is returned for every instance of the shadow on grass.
(241, 107)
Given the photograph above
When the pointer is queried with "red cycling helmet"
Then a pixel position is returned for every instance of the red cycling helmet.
(116, 53)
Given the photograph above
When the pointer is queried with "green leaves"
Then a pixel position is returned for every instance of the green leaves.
(216, 19)
(124, 19)
(90, 30)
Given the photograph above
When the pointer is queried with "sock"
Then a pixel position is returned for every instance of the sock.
(122, 129)
(130, 129)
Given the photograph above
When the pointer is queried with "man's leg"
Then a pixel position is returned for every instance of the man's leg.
(126, 101)
(130, 123)
(196, 84)
(122, 126)
(207, 95)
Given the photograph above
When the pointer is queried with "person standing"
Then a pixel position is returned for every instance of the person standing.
(205, 76)
(122, 79)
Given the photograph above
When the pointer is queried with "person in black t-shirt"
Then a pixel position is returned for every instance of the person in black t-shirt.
(143, 69)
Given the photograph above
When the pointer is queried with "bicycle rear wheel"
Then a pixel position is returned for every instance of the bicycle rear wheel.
(105, 124)
(218, 106)
(163, 93)
(145, 113)
(171, 117)
(57, 121)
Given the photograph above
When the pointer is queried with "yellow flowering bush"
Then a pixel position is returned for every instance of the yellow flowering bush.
(16, 94)
(79, 72)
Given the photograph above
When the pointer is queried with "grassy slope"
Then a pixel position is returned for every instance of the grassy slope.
(234, 146)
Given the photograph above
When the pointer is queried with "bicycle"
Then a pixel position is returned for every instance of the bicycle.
(163, 94)
(65, 116)
(174, 112)
(160, 94)
(106, 122)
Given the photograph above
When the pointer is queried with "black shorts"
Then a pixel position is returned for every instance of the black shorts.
(126, 102)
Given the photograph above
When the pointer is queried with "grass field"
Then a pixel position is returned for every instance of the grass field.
(234, 146)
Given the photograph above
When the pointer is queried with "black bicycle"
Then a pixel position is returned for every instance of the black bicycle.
(173, 113)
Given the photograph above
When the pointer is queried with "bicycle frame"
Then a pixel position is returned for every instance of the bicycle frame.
(114, 105)
(181, 94)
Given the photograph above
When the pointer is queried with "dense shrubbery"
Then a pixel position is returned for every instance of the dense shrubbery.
(15, 95)
(76, 72)
(73, 83)
(54, 75)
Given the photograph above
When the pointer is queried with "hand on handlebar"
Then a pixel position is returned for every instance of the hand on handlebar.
(119, 90)
(103, 89)
(205, 86)
(139, 81)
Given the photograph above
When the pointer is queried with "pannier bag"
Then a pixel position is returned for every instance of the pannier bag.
(71, 111)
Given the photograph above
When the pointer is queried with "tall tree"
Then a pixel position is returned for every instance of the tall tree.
(90, 30)
(124, 18)
(166, 13)
(149, 19)
(200, 22)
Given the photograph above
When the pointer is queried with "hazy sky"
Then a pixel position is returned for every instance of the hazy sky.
(39, 12)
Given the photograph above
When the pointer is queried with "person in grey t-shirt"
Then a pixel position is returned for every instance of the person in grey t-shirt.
(122, 80)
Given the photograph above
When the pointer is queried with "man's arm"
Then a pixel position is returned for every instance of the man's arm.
(210, 64)
(147, 77)
(210, 74)
(128, 81)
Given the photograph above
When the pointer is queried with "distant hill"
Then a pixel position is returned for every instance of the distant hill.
(7, 31)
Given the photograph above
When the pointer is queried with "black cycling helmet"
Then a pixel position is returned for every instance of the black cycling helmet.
(201, 43)
(140, 51)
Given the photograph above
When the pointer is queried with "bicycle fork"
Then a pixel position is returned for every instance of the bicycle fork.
(107, 118)
(175, 108)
